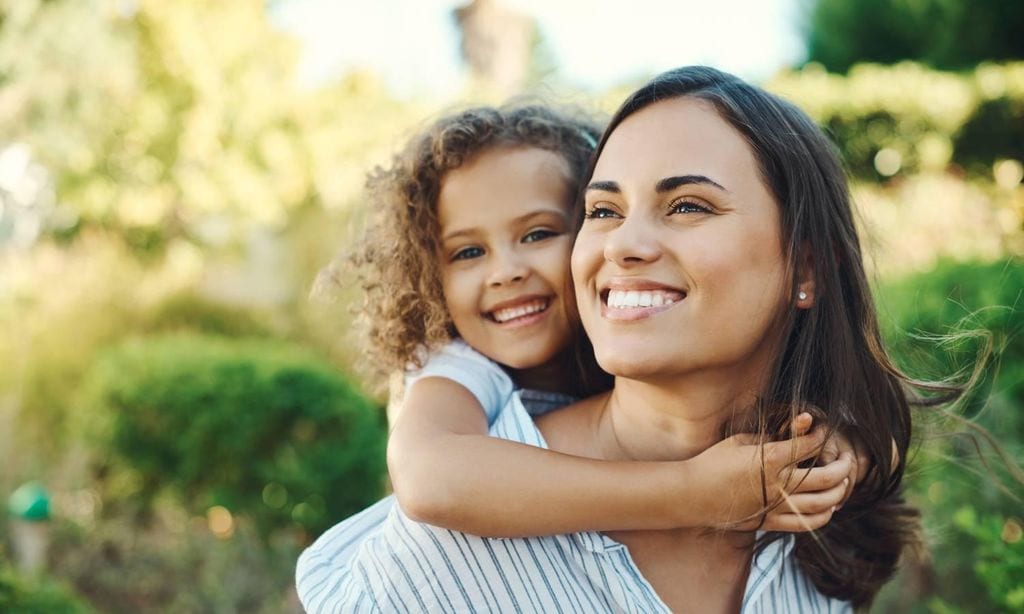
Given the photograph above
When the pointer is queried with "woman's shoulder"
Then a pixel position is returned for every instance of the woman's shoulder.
(570, 429)
(777, 583)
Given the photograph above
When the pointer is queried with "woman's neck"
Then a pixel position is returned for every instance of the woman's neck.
(676, 421)
(552, 376)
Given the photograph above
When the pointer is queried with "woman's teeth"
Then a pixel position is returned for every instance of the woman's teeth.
(626, 299)
(511, 313)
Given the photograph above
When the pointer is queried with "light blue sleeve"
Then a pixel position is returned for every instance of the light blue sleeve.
(482, 377)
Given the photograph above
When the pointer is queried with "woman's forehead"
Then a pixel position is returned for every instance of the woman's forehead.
(684, 135)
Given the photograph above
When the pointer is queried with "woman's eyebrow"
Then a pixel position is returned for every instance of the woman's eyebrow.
(605, 186)
(665, 185)
(670, 183)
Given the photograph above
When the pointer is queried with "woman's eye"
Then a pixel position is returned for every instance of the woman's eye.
(688, 206)
(599, 213)
(538, 235)
(466, 253)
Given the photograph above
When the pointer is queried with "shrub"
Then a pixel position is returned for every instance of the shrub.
(22, 596)
(924, 118)
(190, 312)
(964, 568)
(259, 428)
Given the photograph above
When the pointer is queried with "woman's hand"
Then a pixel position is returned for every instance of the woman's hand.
(737, 477)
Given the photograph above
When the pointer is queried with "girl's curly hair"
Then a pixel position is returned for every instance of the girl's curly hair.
(403, 308)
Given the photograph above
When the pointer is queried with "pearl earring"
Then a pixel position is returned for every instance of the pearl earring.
(802, 295)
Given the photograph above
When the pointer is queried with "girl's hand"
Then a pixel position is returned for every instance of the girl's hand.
(842, 447)
(736, 477)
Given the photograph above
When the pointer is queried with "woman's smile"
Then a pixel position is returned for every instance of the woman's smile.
(631, 299)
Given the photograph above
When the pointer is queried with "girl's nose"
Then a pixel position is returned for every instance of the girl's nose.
(632, 242)
(508, 268)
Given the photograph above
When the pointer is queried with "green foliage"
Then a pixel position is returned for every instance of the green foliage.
(925, 117)
(191, 312)
(938, 324)
(175, 566)
(19, 595)
(998, 555)
(995, 130)
(257, 427)
(948, 34)
(958, 300)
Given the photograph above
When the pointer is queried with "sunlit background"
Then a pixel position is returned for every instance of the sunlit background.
(178, 419)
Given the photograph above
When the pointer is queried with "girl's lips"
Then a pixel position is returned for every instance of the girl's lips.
(520, 312)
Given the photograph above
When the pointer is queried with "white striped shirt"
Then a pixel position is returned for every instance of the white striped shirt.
(381, 561)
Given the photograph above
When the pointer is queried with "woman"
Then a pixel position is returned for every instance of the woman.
(719, 277)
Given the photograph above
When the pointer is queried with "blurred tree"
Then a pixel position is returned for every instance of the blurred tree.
(164, 119)
(947, 34)
(496, 44)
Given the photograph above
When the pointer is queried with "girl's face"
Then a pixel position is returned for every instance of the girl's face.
(679, 267)
(505, 244)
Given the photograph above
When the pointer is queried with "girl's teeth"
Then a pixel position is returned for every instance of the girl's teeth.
(504, 315)
(626, 299)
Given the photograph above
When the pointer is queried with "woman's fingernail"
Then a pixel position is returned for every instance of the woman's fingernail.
(846, 481)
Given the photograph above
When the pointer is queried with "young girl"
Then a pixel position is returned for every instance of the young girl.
(468, 256)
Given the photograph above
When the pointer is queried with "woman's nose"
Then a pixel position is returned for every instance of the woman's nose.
(507, 268)
(632, 242)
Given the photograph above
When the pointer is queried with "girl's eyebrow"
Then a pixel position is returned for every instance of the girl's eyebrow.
(665, 185)
(516, 221)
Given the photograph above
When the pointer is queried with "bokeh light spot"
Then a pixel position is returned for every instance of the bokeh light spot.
(1012, 531)
(888, 162)
(220, 521)
(1008, 173)
(275, 495)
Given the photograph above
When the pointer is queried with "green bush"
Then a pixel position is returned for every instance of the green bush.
(969, 562)
(191, 312)
(22, 596)
(927, 118)
(260, 428)
(957, 298)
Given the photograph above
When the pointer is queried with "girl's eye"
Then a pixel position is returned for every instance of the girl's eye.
(466, 253)
(539, 235)
(600, 213)
(688, 206)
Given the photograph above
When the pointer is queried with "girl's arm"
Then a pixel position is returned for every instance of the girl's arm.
(447, 471)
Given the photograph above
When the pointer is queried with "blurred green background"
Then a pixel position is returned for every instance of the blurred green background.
(169, 192)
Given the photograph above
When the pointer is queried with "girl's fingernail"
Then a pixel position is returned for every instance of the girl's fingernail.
(833, 509)
(846, 481)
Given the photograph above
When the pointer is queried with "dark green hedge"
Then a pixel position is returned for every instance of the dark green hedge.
(258, 427)
(928, 118)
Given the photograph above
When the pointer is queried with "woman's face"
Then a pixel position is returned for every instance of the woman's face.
(678, 267)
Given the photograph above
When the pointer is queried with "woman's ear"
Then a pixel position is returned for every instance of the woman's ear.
(805, 279)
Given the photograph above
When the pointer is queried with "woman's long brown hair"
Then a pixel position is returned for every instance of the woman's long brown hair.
(831, 355)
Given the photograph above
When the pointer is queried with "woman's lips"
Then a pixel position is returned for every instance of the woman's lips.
(637, 304)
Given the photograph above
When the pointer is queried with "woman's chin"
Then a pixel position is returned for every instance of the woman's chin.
(631, 366)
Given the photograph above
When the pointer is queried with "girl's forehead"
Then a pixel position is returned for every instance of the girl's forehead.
(504, 177)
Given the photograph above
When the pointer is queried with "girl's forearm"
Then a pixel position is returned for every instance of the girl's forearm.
(497, 488)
